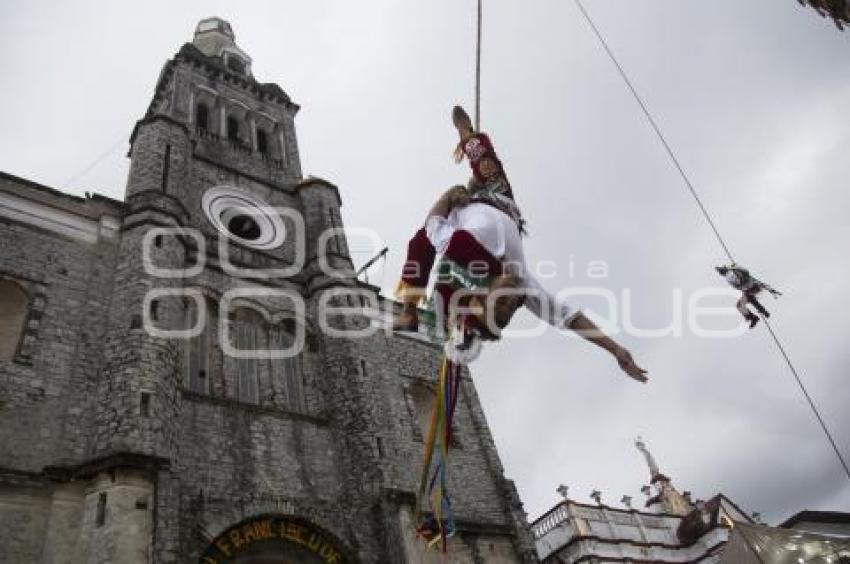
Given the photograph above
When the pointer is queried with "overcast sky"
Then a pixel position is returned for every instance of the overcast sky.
(753, 95)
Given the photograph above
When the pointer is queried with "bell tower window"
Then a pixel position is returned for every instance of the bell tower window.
(262, 142)
(232, 129)
(235, 64)
(200, 349)
(202, 116)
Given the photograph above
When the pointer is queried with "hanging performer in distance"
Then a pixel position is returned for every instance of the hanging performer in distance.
(740, 278)
(482, 225)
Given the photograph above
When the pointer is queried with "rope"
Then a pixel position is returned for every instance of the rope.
(95, 162)
(808, 398)
(478, 72)
(711, 223)
(657, 131)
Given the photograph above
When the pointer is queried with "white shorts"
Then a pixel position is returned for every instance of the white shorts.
(499, 234)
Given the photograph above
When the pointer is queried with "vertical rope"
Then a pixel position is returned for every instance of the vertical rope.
(478, 72)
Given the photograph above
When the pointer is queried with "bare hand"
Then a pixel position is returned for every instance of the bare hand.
(628, 365)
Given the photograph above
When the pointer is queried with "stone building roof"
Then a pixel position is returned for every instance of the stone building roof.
(91, 206)
(188, 52)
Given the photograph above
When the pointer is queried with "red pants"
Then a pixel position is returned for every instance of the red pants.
(463, 249)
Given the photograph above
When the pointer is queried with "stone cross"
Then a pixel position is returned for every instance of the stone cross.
(563, 491)
(597, 496)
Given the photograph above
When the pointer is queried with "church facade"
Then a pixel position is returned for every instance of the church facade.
(189, 375)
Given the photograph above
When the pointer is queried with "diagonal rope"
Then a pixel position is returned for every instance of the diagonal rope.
(478, 71)
(808, 398)
(655, 127)
(711, 223)
(95, 162)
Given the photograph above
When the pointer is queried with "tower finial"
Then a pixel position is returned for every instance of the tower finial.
(214, 38)
(650, 460)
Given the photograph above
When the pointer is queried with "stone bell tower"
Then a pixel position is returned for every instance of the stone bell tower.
(219, 237)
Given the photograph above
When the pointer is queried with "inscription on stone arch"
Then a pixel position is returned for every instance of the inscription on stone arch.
(274, 539)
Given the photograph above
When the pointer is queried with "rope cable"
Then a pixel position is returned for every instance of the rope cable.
(808, 398)
(657, 130)
(478, 71)
(710, 222)
(95, 162)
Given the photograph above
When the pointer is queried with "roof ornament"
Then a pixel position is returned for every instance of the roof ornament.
(653, 466)
(563, 491)
(596, 495)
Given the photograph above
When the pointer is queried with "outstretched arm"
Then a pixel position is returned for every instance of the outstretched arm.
(588, 330)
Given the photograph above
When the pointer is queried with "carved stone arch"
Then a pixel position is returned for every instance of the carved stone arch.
(200, 95)
(265, 133)
(252, 305)
(269, 538)
(236, 116)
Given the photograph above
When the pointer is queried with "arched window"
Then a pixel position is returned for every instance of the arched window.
(232, 128)
(199, 349)
(248, 335)
(262, 142)
(14, 307)
(202, 116)
(285, 372)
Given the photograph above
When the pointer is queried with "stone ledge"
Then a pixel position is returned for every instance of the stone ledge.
(255, 409)
(88, 469)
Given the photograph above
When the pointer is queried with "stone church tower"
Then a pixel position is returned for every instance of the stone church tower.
(146, 412)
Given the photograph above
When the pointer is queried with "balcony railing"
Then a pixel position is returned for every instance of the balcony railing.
(550, 521)
(239, 147)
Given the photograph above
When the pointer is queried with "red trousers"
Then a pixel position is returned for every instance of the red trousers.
(463, 249)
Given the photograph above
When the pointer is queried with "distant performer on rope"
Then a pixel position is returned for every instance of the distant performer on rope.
(740, 278)
(479, 229)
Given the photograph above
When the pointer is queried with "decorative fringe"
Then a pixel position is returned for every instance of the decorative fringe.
(436, 523)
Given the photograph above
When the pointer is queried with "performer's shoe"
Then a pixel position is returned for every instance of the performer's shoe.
(753, 319)
(408, 320)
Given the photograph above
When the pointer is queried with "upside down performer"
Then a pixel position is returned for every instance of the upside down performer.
(740, 278)
(483, 226)
(478, 231)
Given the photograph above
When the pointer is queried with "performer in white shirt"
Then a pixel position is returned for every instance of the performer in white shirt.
(740, 278)
(466, 231)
